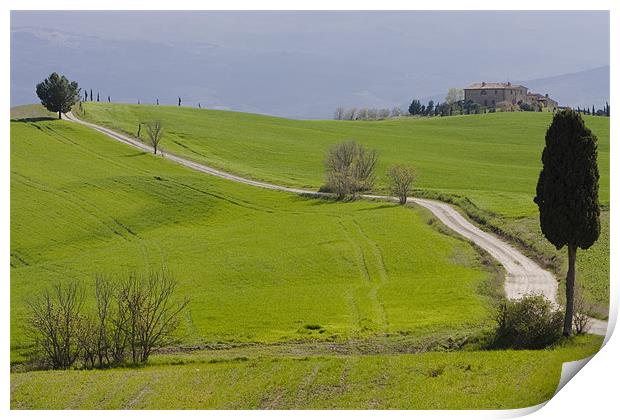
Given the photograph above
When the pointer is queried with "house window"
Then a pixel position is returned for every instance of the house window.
(485, 102)
(483, 92)
(493, 102)
(496, 92)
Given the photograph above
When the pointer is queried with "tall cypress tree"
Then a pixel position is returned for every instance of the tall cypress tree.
(415, 107)
(567, 193)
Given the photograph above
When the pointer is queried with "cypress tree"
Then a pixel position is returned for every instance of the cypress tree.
(430, 107)
(179, 101)
(415, 107)
(567, 193)
(97, 96)
(109, 98)
(91, 95)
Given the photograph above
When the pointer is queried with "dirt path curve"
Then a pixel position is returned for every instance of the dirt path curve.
(522, 274)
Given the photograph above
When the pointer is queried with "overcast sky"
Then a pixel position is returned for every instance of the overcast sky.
(420, 50)
(583, 33)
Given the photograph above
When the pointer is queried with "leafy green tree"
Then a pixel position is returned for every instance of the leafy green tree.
(57, 94)
(567, 193)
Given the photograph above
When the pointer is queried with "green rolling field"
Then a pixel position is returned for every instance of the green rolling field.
(492, 160)
(262, 269)
(259, 266)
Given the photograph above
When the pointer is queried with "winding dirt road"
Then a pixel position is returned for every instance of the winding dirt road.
(522, 274)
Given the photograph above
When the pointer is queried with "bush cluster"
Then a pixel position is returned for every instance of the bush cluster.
(130, 319)
(532, 322)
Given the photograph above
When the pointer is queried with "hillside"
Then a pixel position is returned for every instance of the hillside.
(303, 303)
(259, 266)
(488, 163)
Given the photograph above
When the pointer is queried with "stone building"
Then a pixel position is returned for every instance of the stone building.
(542, 100)
(490, 94)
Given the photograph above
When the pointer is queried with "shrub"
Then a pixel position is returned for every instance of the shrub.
(504, 106)
(532, 322)
(350, 168)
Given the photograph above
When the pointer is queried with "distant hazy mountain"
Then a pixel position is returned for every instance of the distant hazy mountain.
(298, 83)
(584, 88)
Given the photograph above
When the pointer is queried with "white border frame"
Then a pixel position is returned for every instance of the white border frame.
(592, 395)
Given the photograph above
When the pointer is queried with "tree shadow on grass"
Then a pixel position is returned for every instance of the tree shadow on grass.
(33, 119)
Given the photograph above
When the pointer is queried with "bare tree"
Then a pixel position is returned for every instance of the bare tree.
(454, 95)
(383, 113)
(152, 314)
(401, 177)
(350, 169)
(56, 323)
(88, 342)
(339, 113)
(361, 114)
(581, 320)
(397, 112)
(349, 114)
(155, 131)
(372, 114)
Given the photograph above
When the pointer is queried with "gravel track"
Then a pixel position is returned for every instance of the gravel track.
(523, 275)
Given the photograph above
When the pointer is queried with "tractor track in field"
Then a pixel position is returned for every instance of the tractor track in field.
(523, 275)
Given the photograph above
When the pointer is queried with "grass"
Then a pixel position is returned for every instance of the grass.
(492, 160)
(259, 266)
(433, 380)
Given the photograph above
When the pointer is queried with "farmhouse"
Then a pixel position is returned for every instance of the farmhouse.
(544, 100)
(490, 94)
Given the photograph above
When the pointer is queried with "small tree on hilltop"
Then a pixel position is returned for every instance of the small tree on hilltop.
(567, 193)
(155, 131)
(58, 94)
(401, 178)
